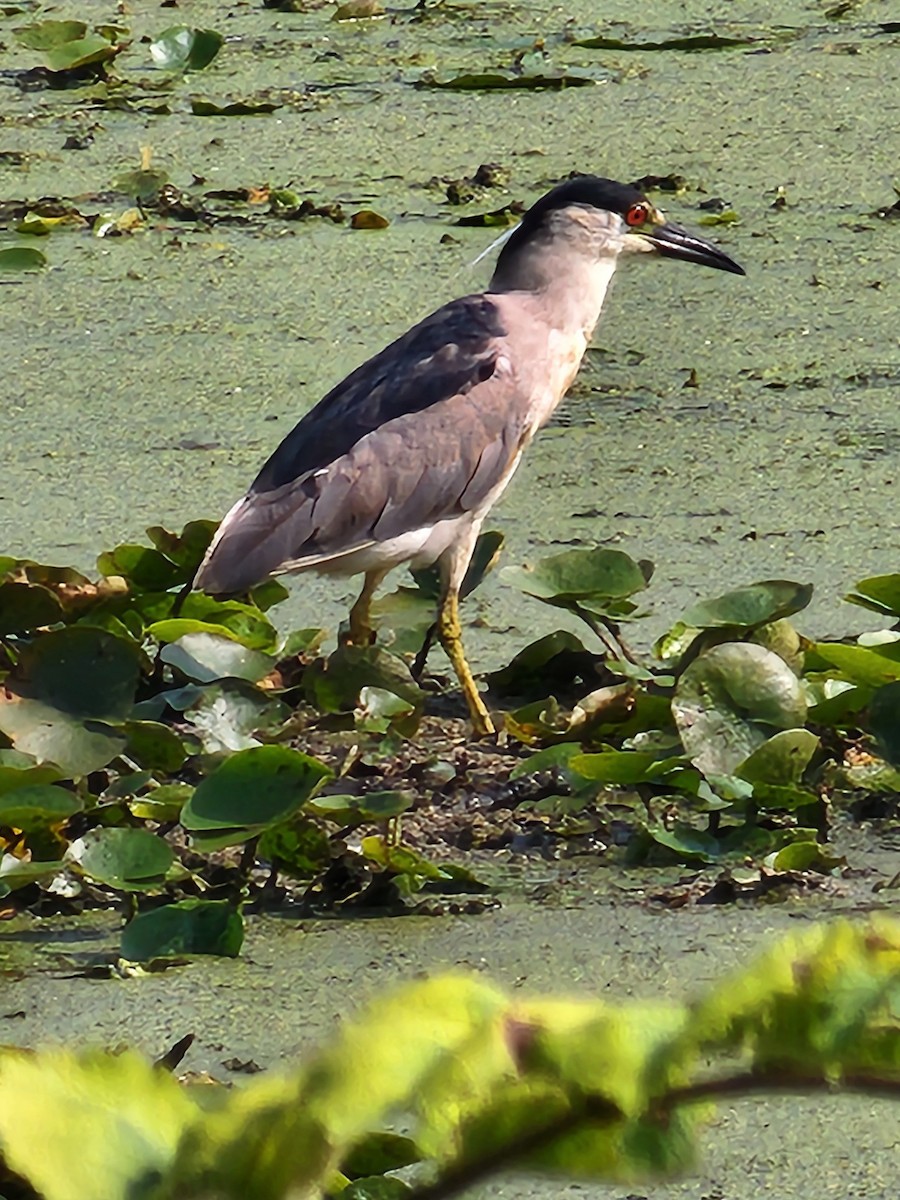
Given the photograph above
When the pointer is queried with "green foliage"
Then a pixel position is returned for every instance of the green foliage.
(138, 717)
(484, 1081)
(184, 49)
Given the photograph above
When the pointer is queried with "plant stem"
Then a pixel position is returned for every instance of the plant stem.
(597, 1110)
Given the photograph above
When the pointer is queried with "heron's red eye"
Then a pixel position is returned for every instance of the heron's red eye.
(637, 215)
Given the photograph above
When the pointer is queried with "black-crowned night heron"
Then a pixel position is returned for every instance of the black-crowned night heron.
(401, 462)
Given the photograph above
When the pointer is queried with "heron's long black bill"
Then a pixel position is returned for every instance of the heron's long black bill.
(675, 242)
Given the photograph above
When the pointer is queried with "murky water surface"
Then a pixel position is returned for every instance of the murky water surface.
(145, 378)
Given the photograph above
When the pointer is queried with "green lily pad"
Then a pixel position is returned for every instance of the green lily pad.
(234, 108)
(685, 843)
(18, 770)
(253, 789)
(130, 860)
(692, 42)
(183, 49)
(185, 549)
(620, 767)
(729, 702)
(22, 258)
(804, 856)
(66, 687)
(861, 665)
(334, 684)
(746, 608)
(879, 593)
(37, 807)
(188, 927)
(587, 577)
(25, 606)
(89, 50)
(145, 569)
(492, 81)
(45, 35)
(300, 847)
(780, 760)
(154, 745)
(206, 657)
(357, 810)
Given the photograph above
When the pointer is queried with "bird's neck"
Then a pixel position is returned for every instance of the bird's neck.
(570, 289)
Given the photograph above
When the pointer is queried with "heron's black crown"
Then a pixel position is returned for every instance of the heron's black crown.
(589, 190)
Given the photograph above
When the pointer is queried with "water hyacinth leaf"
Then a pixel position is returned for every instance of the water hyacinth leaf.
(730, 700)
(154, 745)
(25, 606)
(187, 927)
(184, 49)
(92, 49)
(268, 593)
(582, 576)
(127, 859)
(18, 770)
(355, 810)
(227, 715)
(145, 569)
(490, 81)
(44, 35)
(803, 856)
(689, 845)
(861, 665)
(206, 657)
(185, 549)
(687, 42)
(75, 745)
(750, 606)
(255, 787)
(83, 671)
(22, 258)
(879, 593)
(163, 803)
(380, 1152)
(38, 806)
(65, 687)
(90, 1124)
(235, 108)
(551, 758)
(334, 684)
(780, 760)
(299, 847)
(620, 767)
(243, 622)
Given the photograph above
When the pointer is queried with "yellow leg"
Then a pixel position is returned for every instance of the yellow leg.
(361, 630)
(450, 633)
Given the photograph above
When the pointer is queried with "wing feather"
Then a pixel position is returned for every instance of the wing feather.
(430, 439)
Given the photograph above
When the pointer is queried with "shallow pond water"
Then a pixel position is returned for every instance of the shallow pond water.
(146, 377)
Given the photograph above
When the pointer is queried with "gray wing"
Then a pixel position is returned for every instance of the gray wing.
(417, 467)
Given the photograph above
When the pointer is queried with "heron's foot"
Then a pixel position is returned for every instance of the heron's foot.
(450, 633)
